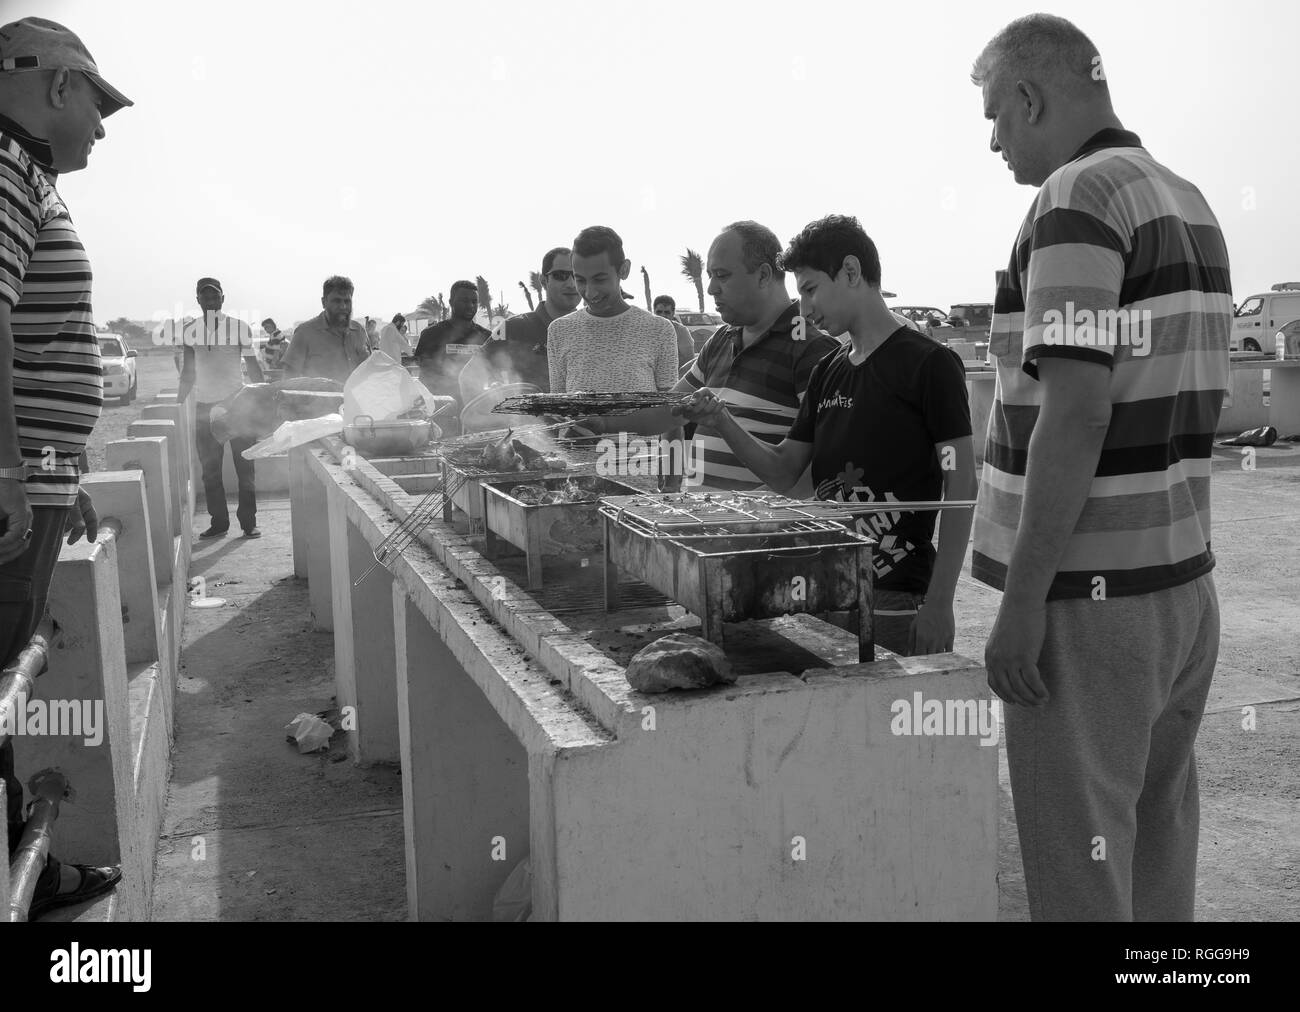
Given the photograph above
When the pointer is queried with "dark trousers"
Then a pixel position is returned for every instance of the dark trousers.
(211, 454)
(24, 586)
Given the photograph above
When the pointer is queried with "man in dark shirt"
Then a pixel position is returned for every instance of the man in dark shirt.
(446, 347)
(887, 413)
(525, 335)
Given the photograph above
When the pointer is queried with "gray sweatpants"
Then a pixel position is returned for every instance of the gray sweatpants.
(1104, 775)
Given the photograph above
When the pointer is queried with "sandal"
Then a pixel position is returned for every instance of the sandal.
(95, 882)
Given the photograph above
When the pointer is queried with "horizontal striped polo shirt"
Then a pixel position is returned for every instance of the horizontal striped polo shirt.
(1122, 263)
(763, 384)
(45, 278)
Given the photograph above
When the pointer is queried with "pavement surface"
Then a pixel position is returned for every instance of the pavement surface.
(255, 831)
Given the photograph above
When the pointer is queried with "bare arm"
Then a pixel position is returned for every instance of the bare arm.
(187, 374)
(1063, 455)
(779, 467)
(957, 458)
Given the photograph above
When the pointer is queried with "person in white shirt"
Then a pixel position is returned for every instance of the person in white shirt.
(393, 341)
(214, 345)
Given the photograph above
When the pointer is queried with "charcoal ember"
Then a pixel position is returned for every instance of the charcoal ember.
(554, 497)
(580, 490)
(678, 661)
(529, 494)
(554, 464)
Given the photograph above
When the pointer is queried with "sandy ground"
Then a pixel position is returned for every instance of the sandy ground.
(255, 831)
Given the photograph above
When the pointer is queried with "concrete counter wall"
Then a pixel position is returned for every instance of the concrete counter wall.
(118, 607)
(780, 797)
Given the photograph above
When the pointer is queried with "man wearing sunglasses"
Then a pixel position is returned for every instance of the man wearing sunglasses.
(524, 335)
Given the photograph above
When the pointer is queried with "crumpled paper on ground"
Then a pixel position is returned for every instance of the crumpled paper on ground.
(383, 389)
(309, 732)
(295, 433)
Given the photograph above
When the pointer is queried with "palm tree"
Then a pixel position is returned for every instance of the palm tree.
(693, 268)
(503, 310)
(430, 306)
(538, 284)
(484, 296)
(645, 274)
(443, 311)
(527, 295)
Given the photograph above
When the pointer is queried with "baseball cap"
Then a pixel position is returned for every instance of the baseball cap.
(38, 44)
(209, 283)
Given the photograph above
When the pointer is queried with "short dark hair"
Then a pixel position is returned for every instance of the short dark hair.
(268, 320)
(823, 245)
(548, 261)
(464, 284)
(597, 239)
(398, 320)
(337, 283)
(759, 246)
(665, 300)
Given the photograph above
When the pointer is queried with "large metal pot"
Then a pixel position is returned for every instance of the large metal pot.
(394, 438)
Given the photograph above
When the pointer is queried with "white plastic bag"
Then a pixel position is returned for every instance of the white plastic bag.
(382, 389)
(514, 900)
(309, 732)
(296, 433)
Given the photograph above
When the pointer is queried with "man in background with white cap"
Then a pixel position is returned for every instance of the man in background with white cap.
(212, 370)
(52, 100)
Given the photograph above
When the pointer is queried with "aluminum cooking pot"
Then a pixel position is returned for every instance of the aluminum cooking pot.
(392, 438)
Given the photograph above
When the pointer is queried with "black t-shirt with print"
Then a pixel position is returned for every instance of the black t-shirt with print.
(875, 426)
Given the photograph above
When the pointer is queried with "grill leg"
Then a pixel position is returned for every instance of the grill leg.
(866, 625)
(534, 552)
(611, 575)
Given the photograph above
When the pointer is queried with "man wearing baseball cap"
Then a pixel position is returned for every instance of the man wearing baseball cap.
(214, 345)
(52, 101)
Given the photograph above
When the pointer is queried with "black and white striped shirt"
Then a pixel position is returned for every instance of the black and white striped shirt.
(45, 278)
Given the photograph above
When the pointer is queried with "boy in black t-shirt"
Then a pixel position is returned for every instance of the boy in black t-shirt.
(887, 413)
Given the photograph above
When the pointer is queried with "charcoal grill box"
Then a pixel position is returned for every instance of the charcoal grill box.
(738, 573)
(528, 526)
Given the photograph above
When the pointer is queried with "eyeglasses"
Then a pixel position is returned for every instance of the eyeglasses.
(560, 276)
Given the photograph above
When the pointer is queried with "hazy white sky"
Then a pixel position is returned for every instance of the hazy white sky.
(274, 143)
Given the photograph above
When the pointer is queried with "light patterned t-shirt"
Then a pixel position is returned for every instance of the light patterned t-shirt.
(633, 352)
(45, 279)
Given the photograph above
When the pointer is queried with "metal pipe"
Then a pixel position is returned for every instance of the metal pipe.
(48, 787)
(17, 680)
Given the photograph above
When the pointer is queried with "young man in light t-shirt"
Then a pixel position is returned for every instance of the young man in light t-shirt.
(608, 346)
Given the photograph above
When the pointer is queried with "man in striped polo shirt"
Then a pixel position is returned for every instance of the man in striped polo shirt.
(758, 364)
(1111, 340)
(52, 100)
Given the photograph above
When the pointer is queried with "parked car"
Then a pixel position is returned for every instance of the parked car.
(1259, 317)
(972, 314)
(927, 318)
(701, 325)
(119, 367)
